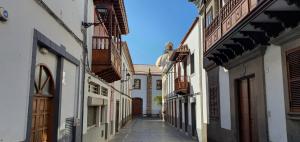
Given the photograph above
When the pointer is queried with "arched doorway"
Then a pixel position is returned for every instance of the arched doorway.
(43, 105)
(137, 107)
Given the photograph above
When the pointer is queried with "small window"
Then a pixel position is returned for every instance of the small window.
(94, 88)
(209, 17)
(158, 84)
(92, 116)
(293, 66)
(192, 63)
(104, 91)
(137, 84)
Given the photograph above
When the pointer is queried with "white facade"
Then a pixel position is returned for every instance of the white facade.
(116, 105)
(16, 38)
(275, 94)
(197, 90)
(142, 74)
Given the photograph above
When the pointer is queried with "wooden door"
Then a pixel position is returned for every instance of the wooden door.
(42, 106)
(175, 110)
(247, 127)
(180, 114)
(193, 113)
(137, 107)
(117, 116)
(186, 117)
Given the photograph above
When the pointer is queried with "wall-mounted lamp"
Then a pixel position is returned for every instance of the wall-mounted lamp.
(3, 14)
(127, 78)
(44, 51)
(102, 13)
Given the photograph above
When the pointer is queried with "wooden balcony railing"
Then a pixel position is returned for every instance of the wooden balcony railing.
(106, 58)
(182, 85)
(228, 17)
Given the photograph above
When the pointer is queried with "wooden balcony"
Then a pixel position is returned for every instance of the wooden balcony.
(243, 26)
(229, 16)
(182, 85)
(180, 53)
(106, 59)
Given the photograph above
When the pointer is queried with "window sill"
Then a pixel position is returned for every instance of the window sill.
(293, 115)
(91, 127)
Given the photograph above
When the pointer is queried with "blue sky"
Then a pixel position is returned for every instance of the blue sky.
(152, 23)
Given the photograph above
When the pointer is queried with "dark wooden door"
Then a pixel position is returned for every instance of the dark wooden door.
(137, 107)
(42, 106)
(193, 112)
(180, 114)
(247, 127)
(172, 113)
(175, 110)
(186, 117)
(117, 116)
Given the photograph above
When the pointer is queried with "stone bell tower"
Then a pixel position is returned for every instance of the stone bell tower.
(149, 94)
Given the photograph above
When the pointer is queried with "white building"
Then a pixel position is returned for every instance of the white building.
(107, 106)
(41, 58)
(183, 86)
(146, 90)
(252, 72)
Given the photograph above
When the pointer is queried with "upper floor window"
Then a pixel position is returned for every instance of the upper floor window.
(94, 88)
(104, 91)
(293, 77)
(137, 84)
(209, 17)
(158, 84)
(192, 63)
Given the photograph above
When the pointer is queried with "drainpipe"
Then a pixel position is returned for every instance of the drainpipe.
(84, 53)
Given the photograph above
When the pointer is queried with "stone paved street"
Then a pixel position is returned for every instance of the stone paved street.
(150, 130)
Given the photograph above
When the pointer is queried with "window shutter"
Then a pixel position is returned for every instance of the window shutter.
(192, 63)
(214, 95)
(293, 70)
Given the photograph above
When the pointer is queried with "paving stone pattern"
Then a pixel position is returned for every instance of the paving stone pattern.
(150, 130)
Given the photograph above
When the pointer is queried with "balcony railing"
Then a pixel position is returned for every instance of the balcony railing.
(106, 58)
(228, 17)
(182, 85)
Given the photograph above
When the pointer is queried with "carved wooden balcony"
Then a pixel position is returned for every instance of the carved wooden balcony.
(245, 25)
(182, 85)
(180, 53)
(106, 59)
(228, 17)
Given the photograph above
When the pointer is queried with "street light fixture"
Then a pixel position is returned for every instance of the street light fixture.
(102, 13)
(127, 78)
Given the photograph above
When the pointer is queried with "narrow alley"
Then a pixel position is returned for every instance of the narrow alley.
(150, 130)
(150, 70)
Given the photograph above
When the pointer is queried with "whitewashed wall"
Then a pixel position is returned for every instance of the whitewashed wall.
(87, 94)
(142, 93)
(225, 114)
(156, 108)
(275, 94)
(16, 38)
(193, 42)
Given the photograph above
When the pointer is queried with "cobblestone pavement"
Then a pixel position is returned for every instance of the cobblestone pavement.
(150, 130)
